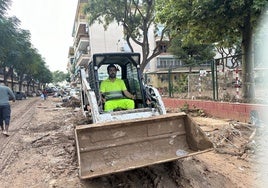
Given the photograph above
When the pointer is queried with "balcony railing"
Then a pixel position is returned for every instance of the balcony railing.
(82, 59)
(82, 43)
(81, 30)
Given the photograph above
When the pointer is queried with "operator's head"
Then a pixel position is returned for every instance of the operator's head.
(111, 69)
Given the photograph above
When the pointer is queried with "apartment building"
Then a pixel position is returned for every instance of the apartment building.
(90, 39)
(95, 39)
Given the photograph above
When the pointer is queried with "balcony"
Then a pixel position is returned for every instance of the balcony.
(82, 59)
(71, 51)
(82, 43)
(81, 32)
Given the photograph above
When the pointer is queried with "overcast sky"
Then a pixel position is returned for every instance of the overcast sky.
(50, 23)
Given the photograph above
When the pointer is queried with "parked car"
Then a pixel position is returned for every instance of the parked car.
(50, 91)
(19, 95)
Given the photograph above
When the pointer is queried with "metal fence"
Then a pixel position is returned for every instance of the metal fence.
(200, 86)
(221, 81)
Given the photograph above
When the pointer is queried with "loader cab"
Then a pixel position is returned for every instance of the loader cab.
(128, 65)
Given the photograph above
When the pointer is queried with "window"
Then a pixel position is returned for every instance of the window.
(165, 62)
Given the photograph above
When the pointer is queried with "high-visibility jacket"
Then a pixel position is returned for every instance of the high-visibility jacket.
(112, 91)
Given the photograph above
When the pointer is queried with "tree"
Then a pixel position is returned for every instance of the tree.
(4, 5)
(8, 46)
(23, 56)
(17, 54)
(191, 52)
(136, 17)
(7, 28)
(59, 76)
(43, 75)
(34, 61)
(219, 22)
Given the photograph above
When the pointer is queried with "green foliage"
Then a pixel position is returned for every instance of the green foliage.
(185, 108)
(17, 52)
(45, 76)
(133, 15)
(180, 85)
(4, 5)
(191, 52)
(224, 23)
(136, 17)
(68, 77)
(59, 76)
(210, 21)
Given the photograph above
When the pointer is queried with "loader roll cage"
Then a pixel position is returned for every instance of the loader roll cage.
(129, 71)
(148, 101)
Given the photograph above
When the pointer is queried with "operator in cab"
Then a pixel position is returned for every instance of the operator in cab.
(115, 95)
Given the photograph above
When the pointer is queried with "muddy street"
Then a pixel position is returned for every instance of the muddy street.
(40, 152)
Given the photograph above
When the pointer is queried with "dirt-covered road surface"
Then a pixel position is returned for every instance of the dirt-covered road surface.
(40, 152)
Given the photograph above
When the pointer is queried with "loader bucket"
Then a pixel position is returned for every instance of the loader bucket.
(106, 148)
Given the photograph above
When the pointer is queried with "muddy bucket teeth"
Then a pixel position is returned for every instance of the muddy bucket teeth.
(107, 148)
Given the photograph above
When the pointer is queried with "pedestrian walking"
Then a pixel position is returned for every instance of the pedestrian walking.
(5, 110)
(44, 93)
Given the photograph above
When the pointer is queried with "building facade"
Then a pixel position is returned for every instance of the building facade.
(90, 39)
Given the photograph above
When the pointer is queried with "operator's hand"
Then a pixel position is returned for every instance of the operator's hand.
(103, 98)
(129, 95)
(133, 97)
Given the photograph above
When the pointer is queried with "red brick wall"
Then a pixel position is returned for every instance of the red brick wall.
(234, 111)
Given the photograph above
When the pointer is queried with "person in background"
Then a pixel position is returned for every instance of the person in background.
(114, 92)
(44, 94)
(5, 110)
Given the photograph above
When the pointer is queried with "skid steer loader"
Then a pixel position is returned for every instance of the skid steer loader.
(127, 139)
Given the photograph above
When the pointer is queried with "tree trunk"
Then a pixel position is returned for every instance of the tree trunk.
(20, 82)
(28, 86)
(12, 79)
(247, 61)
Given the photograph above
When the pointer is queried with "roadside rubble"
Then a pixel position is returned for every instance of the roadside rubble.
(41, 153)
